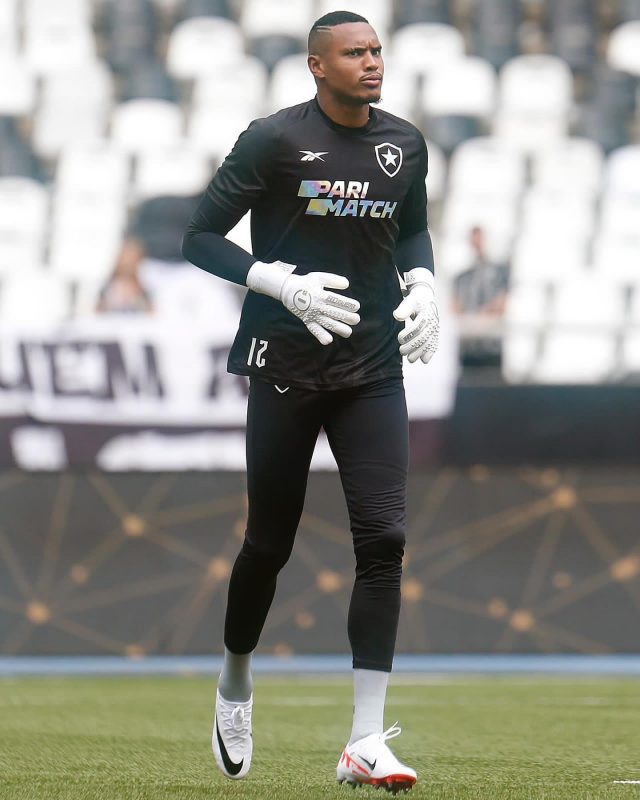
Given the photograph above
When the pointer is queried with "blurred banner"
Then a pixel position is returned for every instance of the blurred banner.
(121, 394)
(497, 560)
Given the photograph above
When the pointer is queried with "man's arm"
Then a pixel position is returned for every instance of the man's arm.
(204, 243)
(237, 186)
(414, 257)
(415, 251)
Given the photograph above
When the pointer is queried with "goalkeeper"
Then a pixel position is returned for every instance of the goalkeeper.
(336, 190)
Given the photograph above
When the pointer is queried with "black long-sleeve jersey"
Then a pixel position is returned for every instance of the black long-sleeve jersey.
(326, 198)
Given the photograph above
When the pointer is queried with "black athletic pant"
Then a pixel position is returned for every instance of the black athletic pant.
(367, 429)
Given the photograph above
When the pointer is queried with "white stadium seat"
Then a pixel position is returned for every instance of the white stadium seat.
(399, 90)
(74, 108)
(8, 29)
(424, 46)
(536, 84)
(631, 340)
(453, 254)
(239, 85)
(548, 213)
(88, 225)
(495, 215)
(277, 17)
(535, 102)
(437, 172)
(465, 86)
(34, 300)
(571, 166)
(70, 11)
(623, 49)
(576, 358)
(79, 255)
(17, 86)
(485, 166)
(620, 216)
(178, 170)
(622, 171)
(86, 296)
(590, 303)
(291, 83)
(581, 345)
(617, 259)
(139, 125)
(98, 163)
(189, 293)
(54, 130)
(554, 258)
(90, 86)
(525, 319)
(214, 133)
(24, 206)
(201, 45)
(631, 351)
(54, 43)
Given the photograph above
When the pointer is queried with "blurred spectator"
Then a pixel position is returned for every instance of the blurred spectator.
(123, 293)
(17, 159)
(479, 299)
(151, 255)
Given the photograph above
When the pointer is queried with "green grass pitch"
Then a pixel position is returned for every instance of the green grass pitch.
(489, 738)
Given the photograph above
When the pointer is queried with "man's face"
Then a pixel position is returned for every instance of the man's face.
(350, 63)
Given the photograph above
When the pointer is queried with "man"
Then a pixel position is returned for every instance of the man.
(337, 195)
(479, 300)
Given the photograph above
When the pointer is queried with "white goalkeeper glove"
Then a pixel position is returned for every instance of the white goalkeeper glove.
(419, 311)
(305, 296)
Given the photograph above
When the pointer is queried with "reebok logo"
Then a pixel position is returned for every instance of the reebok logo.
(343, 199)
(309, 155)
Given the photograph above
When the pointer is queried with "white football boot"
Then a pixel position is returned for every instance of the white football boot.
(232, 742)
(369, 761)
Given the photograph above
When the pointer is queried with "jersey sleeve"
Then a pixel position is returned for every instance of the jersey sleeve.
(237, 186)
(413, 213)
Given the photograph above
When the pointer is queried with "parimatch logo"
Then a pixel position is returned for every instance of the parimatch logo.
(343, 199)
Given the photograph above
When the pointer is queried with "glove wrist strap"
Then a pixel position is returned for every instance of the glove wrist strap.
(269, 279)
(420, 276)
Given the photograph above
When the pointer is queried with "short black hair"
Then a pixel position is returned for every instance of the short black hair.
(337, 18)
(328, 21)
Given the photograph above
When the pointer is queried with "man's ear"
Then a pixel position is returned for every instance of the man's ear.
(315, 65)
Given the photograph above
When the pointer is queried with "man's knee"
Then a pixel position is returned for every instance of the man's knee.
(267, 557)
(381, 552)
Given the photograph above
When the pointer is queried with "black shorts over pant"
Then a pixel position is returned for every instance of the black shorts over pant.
(367, 429)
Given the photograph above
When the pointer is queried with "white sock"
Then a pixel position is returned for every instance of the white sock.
(235, 681)
(369, 694)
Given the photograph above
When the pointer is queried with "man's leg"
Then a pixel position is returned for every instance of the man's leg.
(368, 433)
(282, 428)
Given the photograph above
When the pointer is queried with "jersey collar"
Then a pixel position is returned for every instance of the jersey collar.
(344, 128)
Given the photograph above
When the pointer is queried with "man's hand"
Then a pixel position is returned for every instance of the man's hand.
(305, 296)
(419, 311)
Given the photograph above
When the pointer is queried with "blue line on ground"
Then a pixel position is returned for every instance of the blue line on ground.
(619, 664)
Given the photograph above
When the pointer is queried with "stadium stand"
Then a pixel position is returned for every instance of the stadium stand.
(131, 29)
(531, 111)
(24, 205)
(411, 11)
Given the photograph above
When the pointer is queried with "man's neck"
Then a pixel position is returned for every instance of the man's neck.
(351, 116)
